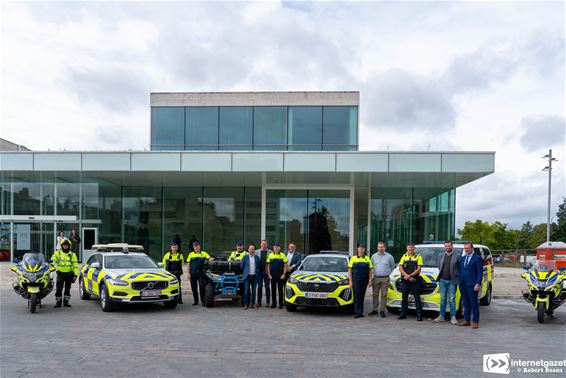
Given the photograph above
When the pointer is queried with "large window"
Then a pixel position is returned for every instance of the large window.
(142, 218)
(182, 216)
(264, 128)
(270, 128)
(399, 216)
(167, 128)
(236, 125)
(305, 128)
(201, 128)
(340, 128)
(316, 220)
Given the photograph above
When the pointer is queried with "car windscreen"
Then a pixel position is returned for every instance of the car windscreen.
(129, 262)
(430, 254)
(325, 264)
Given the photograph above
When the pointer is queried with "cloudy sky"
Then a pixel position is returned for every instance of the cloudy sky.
(474, 76)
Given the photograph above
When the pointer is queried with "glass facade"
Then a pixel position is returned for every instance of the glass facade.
(316, 220)
(201, 127)
(236, 128)
(262, 128)
(400, 215)
(168, 127)
(218, 216)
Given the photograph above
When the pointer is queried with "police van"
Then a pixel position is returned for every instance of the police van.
(430, 290)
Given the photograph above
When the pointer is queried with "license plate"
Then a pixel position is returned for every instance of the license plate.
(316, 295)
(151, 293)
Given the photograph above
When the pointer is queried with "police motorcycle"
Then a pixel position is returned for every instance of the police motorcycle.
(34, 281)
(545, 287)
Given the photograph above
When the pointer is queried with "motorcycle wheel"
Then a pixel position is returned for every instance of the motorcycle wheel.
(540, 312)
(32, 302)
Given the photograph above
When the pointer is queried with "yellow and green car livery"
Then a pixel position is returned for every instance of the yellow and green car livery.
(320, 281)
(430, 291)
(121, 277)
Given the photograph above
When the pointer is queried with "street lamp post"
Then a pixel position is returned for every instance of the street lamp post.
(549, 169)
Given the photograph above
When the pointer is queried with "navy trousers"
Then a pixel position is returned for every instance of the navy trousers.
(471, 305)
(359, 285)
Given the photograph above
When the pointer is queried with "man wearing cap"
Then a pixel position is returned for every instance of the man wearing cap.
(360, 276)
(173, 262)
(276, 268)
(195, 269)
(262, 279)
(410, 268)
(238, 254)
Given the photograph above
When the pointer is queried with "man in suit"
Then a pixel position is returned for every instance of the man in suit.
(471, 273)
(250, 272)
(295, 258)
(448, 273)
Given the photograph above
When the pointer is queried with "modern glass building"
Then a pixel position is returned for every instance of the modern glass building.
(224, 167)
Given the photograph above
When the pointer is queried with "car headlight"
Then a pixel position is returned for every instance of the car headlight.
(344, 281)
(293, 280)
(173, 281)
(116, 282)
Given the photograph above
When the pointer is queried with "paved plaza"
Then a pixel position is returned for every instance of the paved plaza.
(192, 341)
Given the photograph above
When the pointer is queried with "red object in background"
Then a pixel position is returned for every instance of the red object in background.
(553, 251)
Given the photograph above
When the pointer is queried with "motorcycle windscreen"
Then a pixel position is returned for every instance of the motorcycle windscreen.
(33, 261)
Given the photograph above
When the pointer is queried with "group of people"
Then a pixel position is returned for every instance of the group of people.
(73, 238)
(262, 269)
(454, 269)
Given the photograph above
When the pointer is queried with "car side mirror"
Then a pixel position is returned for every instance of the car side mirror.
(524, 275)
(526, 267)
(16, 261)
(95, 265)
(160, 264)
(14, 269)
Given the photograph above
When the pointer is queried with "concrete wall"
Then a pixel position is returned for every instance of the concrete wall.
(255, 98)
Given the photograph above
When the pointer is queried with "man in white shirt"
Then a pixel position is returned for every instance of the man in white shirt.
(383, 265)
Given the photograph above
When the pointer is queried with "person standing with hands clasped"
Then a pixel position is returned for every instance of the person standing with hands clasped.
(448, 272)
(250, 273)
(410, 267)
(195, 269)
(276, 268)
(470, 280)
(383, 265)
(67, 266)
(360, 276)
(173, 262)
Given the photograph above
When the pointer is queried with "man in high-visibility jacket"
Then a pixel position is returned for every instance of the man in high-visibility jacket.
(67, 267)
(239, 253)
(173, 262)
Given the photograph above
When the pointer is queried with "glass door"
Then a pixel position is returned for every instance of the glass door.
(316, 220)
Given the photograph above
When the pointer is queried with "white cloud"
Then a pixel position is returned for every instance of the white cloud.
(432, 75)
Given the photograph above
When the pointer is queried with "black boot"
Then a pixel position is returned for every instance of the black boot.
(58, 304)
(66, 303)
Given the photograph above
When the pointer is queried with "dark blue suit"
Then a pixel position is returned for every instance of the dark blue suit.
(250, 278)
(470, 275)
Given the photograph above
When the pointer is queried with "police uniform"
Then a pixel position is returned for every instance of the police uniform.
(237, 255)
(196, 261)
(276, 262)
(67, 267)
(173, 262)
(361, 267)
(411, 264)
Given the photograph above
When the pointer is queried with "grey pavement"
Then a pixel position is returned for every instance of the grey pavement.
(192, 341)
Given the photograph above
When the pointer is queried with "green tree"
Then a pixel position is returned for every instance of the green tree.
(495, 235)
(538, 235)
(476, 232)
(524, 236)
(559, 230)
